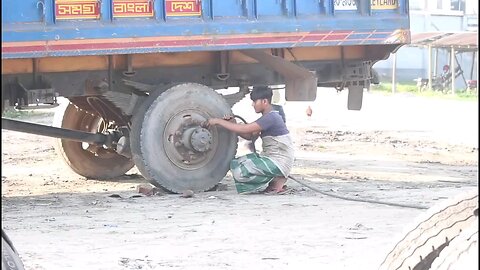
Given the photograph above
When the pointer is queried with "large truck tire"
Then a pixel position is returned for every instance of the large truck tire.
(355, 97)
(169, 146)
(439, 227)
(100, 164)
(10, 258)
(461, 253)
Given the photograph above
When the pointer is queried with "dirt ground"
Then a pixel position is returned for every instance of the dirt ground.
(399, 149)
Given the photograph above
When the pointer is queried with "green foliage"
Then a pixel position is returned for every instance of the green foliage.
(12, 113)
(18, 114)
(460, 94)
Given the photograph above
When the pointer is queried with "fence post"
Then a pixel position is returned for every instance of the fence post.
(452, 69)
(429, 68)
(394, 73)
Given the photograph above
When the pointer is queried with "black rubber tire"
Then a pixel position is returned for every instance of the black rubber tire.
(438, 227)
(355, 97)
(106, 165)
(10, 258)
(147, 138)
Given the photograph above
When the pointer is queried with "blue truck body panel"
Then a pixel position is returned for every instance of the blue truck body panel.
(41, 28)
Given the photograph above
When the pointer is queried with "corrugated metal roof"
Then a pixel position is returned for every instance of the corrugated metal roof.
(458, 40)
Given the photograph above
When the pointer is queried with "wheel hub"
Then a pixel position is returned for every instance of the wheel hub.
(197, 139)
(187, 144)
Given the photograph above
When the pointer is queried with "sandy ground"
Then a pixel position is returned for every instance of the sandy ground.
(400, 149)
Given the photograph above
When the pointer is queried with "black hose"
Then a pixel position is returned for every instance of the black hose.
(253, 139)
(355, 199)
(241, 118)
(338, 196)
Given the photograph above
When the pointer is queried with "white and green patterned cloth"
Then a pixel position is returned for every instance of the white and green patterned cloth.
(253, 172)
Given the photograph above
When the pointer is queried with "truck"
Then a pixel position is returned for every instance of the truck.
(142, 75)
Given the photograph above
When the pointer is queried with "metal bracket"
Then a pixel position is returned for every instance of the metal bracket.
(42, 3)
(37, 97)
(300, 83)
(129, 72)
(358, 71)
(224, 60)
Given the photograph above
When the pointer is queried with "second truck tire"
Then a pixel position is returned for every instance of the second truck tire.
(105, 164)
(440, 229)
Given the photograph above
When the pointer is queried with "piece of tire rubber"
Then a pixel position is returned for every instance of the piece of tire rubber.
(107, 165)
(461, 253)
(10, 258)
(147, 135)
(436, 229)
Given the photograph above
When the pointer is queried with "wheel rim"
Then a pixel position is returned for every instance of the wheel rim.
(186, 143)
(94, 124)
(166, 132)
(85, 159)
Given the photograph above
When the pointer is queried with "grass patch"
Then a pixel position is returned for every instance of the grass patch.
(401, 88)
(460, 94)
(20, 114)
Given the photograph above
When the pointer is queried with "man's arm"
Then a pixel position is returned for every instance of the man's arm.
(249, 136)
(245, 131)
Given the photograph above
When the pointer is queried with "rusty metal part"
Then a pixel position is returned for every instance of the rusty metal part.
(140, 87)
(123, 147)
(91, 161)
(224, 59)
(186, 143)
(463, 41)
(300, 83)
(197, 139)
(100, 106)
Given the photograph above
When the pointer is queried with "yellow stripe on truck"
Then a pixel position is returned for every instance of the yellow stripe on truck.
(384, 4)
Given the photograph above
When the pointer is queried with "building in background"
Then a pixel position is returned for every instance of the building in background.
(431, 16)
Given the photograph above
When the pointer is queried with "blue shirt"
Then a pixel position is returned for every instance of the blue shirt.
(272, 124)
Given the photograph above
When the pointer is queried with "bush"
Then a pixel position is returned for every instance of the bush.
(412, 88)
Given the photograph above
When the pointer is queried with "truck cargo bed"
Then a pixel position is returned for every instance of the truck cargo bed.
(32, 28)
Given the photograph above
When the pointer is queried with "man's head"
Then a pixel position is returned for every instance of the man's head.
(261, 97)
(261, 92)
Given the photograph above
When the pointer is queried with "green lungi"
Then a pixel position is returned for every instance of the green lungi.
(252, 172)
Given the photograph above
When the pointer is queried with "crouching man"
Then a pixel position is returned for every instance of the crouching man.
(267, 171)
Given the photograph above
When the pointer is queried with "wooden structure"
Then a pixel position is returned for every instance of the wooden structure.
(454, 42)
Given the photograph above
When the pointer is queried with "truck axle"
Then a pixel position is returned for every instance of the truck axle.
(79, 136)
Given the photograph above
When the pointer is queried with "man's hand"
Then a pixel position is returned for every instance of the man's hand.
(216, 121)
(228, 117)
(240, 129)
(210, 122)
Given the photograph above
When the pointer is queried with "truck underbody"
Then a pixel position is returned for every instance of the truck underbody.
(31, 80)
(112, 95)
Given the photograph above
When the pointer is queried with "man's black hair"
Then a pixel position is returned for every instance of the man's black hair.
(261, 92)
